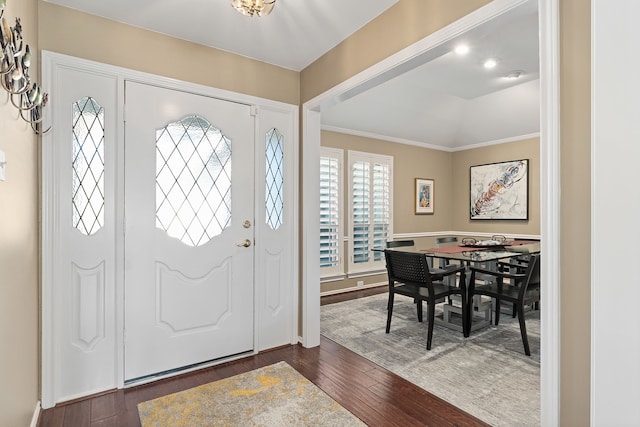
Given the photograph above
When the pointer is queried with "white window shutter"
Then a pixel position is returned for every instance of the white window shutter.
(371, 213)
(331, 217)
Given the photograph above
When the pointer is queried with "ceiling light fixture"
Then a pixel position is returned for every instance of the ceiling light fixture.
(462, 49)
(490, 63)
(253, 7)
(515, 74)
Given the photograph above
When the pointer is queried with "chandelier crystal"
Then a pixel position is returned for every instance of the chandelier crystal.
(254, 7)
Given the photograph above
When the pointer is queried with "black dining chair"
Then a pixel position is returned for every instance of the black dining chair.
(400, 243)
(409, 275)
(522, 289)
(445, 241)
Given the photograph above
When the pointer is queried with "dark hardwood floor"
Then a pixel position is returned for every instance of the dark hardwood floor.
(375, 395)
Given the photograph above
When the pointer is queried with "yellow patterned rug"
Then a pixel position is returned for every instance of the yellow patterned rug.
(275, 395)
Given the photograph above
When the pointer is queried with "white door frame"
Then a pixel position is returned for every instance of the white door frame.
(51, 62)
(550, 179)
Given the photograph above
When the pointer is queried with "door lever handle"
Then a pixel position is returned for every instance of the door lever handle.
(244, 244)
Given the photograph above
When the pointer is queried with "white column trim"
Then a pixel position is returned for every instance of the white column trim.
(550, 211)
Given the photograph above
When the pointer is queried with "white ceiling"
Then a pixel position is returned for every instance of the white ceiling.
(450, 102)
(294, 35)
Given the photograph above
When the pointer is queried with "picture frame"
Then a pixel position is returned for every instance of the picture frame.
(499, 191)
(424, 196)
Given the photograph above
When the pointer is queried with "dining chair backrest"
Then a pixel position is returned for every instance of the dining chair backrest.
(400, 243)
(446, 240)
(407, 267)
(532, 275)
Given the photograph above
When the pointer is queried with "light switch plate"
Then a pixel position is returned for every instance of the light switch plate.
(3, 163)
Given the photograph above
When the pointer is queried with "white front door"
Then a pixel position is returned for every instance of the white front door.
(189, 206)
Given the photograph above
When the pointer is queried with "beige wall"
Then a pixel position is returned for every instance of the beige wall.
(402, 25)
(74, 33)
(450, 172)
(409, 162)
(526, 149)
(356, 54)
(19, 362)
(575, 206)
(60, 30)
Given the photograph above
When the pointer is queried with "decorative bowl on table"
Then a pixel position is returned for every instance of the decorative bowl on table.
(489, 243)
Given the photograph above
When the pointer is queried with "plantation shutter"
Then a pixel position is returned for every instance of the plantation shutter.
(331, 235)
(370, 209)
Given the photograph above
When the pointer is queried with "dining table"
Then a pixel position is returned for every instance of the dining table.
(484, 253)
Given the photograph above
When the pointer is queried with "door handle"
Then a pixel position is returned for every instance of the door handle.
(244, 244)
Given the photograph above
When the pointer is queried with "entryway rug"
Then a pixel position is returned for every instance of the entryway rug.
(487, 375)
(275, 395)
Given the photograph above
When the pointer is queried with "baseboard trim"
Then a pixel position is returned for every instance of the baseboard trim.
(352, 289)
(36, 415)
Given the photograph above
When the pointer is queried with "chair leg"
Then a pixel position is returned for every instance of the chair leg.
(466, 316)
(431, 315)
(389, 311)
(419, 308)
(523, 329)
(497, 310)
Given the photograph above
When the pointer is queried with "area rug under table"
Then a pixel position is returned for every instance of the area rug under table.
(487, 374)
(275, 395)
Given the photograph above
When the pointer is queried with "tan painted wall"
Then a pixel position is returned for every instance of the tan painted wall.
(356, 54)
(450, 172)
(400, 26)
(462, 160)
(409, 162)
(19, 362)
(405, 23)
(575, 206)
(74, 33)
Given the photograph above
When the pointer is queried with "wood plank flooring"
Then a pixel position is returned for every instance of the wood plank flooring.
(375, 395)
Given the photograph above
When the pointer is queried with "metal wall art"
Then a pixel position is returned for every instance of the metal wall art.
(15, 60)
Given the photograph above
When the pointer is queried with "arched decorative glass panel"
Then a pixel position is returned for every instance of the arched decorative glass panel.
(274, 178)
(193, 180)
(87, 166)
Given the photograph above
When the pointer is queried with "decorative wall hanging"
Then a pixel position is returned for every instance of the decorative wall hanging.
(500, 190)
(423, 196)
(15, 60)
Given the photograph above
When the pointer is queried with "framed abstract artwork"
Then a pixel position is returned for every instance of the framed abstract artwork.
(500, 191)
(423, 196)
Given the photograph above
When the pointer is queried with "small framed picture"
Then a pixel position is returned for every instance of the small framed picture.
(424, 196)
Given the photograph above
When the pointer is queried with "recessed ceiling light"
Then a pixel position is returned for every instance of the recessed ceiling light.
(490, 63)
(461, 49)
(515, 74)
